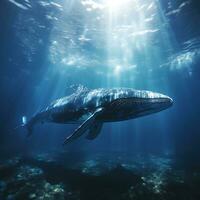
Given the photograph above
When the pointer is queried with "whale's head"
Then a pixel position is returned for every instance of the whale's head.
(129, 103)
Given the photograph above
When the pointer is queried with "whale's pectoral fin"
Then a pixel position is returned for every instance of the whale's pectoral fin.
(94, 130)
(84, 126)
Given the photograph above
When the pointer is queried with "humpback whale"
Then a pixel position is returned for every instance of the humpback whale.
(92, 108)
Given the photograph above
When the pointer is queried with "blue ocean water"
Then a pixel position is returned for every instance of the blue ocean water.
(47, 46)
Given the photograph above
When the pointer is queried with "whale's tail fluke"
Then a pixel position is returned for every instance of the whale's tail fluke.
(23, 124)
(24, 120)
(26, 124)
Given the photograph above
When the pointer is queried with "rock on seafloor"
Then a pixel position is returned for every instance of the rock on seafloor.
(96, 177)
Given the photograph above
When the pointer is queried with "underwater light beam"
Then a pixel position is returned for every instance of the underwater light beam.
(115, 5)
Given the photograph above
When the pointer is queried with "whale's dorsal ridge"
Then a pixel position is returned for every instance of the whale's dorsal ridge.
(75, 88)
